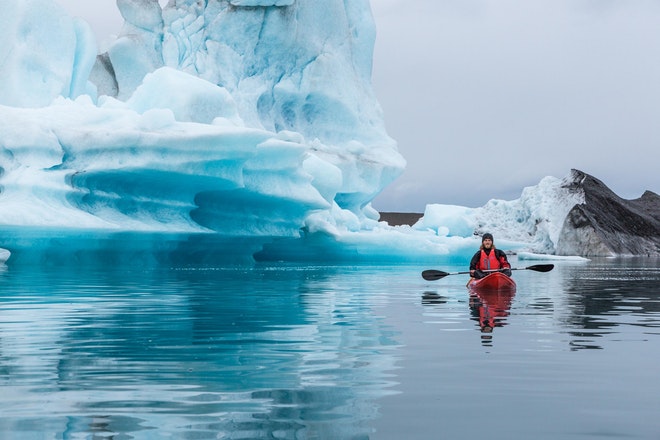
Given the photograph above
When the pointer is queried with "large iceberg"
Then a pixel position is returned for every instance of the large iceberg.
(242, 117)
(252, 120)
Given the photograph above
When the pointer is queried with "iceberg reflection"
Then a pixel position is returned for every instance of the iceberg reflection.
(235, 352)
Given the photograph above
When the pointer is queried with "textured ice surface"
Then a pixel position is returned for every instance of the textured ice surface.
(247, 118)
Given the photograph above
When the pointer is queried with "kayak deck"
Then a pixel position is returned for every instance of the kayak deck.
(493, 281)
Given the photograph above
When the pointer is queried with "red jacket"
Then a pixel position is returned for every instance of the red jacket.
(495, 259)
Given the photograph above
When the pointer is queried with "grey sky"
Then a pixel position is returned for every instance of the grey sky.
(486, 97)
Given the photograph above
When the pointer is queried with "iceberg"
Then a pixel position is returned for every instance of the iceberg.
(250, 123)
(243, 118)
(529, 256)
(535, 218)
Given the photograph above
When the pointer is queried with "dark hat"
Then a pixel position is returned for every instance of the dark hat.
(486, 236)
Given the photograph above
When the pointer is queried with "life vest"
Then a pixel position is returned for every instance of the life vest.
(489, 261)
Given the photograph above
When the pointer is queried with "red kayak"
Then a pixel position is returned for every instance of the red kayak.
(493, 281)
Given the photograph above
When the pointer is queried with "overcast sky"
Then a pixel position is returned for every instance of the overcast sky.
(485, 97)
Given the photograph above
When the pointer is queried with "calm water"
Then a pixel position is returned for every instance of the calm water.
(93, 350)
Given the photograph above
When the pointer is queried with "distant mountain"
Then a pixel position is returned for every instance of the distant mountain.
(400, 218)
(605, 224)
(576, 215)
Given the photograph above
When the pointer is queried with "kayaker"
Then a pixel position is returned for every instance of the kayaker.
(488, 258)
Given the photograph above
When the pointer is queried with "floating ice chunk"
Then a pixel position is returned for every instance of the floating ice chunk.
(448, 220)
(537, 216)
(543, 257)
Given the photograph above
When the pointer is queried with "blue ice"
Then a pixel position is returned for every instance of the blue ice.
(253, 119)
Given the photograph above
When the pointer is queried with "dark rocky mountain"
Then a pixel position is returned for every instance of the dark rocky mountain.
(400, 218)
(605, 224)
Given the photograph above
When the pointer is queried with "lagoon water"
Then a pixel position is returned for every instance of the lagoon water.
(140, 348)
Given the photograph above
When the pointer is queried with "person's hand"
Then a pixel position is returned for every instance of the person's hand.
(506, 271)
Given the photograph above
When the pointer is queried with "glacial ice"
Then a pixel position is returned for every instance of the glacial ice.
(251, 119)
(530, 256)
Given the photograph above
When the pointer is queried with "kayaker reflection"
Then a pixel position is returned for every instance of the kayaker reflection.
(488, 258)
(490, 308)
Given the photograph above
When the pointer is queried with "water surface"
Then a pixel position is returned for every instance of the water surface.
(92, 349)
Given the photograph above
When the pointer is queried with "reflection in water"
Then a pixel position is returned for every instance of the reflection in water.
(244, 352)
(489, 308)
(146, 344)
(599, 298)
(429, 298)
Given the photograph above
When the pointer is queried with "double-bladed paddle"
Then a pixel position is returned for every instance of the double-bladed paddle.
(432, 275)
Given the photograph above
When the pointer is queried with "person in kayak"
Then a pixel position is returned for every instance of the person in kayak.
(488, 258)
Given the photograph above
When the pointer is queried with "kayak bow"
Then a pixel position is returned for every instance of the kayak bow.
(493, 281)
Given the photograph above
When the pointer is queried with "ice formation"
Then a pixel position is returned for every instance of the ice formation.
(536, 218)
(240, 118)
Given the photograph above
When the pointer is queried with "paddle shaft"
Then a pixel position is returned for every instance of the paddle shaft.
(432, 275)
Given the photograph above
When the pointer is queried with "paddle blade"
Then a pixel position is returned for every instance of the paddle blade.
(541, 267)
(432, 275)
